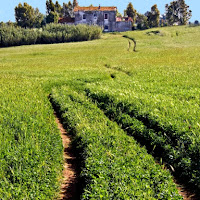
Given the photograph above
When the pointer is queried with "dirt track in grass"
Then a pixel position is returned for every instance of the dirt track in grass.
(69, 187)
(186, 193)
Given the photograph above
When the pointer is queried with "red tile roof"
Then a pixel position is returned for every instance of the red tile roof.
(92, 8)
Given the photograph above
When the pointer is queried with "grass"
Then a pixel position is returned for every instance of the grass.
(161, 79)
(113, 165)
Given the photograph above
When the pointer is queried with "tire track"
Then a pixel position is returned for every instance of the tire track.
(69, 186)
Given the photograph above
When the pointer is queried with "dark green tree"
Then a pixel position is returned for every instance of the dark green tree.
(153, 17)
(142, 22)
(38, 18)
(75, 3)
(52, 17)
(52, 14)
(58, 9)
(68, 9)
(28, 17)
(131, 12)
(178, 12)
(50, 7)
(171, 13)
(196, 22)
(24, 15)
(184, 14)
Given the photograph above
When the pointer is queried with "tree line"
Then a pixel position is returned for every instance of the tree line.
(177, 12)
(28, 17)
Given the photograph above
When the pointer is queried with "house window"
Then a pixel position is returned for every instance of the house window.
(106, 16)
(95, 15)
(84, 16)
(106, 28)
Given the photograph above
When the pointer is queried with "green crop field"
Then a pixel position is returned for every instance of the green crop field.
(126, 110)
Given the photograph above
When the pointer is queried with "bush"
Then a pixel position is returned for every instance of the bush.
(51, 33)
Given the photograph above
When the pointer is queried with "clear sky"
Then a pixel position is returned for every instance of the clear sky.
(7, 6)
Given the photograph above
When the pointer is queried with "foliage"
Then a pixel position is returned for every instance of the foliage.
(28, 17)
(196, 22)
(38, 18)
(52, 17)
(51, 33)
(142, 22)
(111, 166)
(68, 9)
(153, 17)
(75, 3)
(131, 12)
(50, 7)
(178, 12)
(14, 36)
(58, 9)
(53, 11)
(118, 14)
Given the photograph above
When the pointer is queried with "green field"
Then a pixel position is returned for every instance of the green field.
(114, 102)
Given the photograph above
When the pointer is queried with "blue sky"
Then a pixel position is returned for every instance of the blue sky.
(7, 6)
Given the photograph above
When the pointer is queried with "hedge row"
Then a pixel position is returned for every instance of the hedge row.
(113, 165)
(51, 33)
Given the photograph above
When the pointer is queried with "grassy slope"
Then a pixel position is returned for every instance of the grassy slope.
(165, 64)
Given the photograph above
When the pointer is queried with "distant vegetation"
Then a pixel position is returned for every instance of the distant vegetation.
(52, 33)
(177, 12)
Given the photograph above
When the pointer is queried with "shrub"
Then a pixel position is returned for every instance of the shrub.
(51, 33)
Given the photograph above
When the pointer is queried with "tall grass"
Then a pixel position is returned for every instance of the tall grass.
(161, 80)
(113, 165)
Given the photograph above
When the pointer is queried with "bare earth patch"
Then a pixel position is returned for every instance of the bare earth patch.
(185, 192)
(69, 187)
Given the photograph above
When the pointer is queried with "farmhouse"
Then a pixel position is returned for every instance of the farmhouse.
(104, 17)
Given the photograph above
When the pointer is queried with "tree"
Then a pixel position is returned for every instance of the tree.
(131, 12)
(142, 22)
(52, 17)
(50, 6)
(184, 13)
(28, 17)
(52, 14)
(153, 17)
(196, 22)
(38, 18)
(118, 14)
(75, 3)
(68, 9)
(171, 13)
(58, 9)
(178, 12)
(24, 15)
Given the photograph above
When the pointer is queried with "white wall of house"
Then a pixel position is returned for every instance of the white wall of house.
(104, 19)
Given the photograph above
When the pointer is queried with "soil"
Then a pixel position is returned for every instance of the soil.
(69, 187)
(185, 192)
